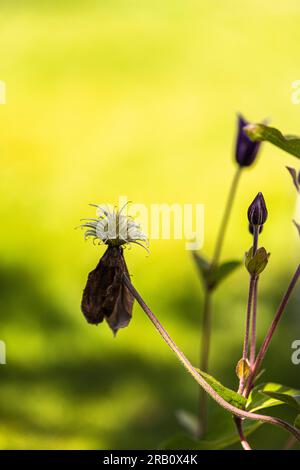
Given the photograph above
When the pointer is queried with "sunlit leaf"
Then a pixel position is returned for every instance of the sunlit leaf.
(290, 398)
(229, 395)
(242, 369)
(272, 394)
(261, 132)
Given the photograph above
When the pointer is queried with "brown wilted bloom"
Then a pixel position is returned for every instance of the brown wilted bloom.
(105, 296)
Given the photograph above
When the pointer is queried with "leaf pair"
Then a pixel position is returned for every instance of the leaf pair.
(213, 276)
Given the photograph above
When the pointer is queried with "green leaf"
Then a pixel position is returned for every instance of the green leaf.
(213, 277)
(297, 422)
(243, 369)
(181, 441)
(203, 267)
(229, 395)
(272, 394)
(222, 272)
(257, 263)
(261, 132)
(290, 397)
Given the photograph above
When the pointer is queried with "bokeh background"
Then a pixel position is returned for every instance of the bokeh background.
(135, 98)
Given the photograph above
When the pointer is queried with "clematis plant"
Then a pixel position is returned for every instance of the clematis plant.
(109, 294)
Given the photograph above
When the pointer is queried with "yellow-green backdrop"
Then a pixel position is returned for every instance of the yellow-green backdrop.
(135, 98)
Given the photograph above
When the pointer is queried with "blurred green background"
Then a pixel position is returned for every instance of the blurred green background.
(135, 98)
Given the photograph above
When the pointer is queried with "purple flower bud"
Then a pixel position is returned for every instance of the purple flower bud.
(246, 150)
(257, 212)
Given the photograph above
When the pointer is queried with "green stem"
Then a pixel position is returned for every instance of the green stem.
(207, 310)
(226, 217)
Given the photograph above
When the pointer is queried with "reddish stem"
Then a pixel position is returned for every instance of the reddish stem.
(270, 333)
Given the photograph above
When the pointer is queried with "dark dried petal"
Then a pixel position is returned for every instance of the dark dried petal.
(257, 212)
(105, 295)
(246, 150)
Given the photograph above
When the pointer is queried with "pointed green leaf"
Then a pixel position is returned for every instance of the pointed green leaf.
(261, 132)
(272, 394)
(297, 422)
(229, 395)
(222, 272)
(257, 263)
(203, 267)
(290, 397)
(212, 277)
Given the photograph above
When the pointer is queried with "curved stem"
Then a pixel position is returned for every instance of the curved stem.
(262, 352)
(201, 381)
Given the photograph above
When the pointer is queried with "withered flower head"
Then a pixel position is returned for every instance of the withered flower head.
(105, 295)
(257, 212)
(246, 150)
(114, 228)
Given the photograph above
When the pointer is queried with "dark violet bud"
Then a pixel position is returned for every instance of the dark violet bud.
(257, 212)
(246, 150)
